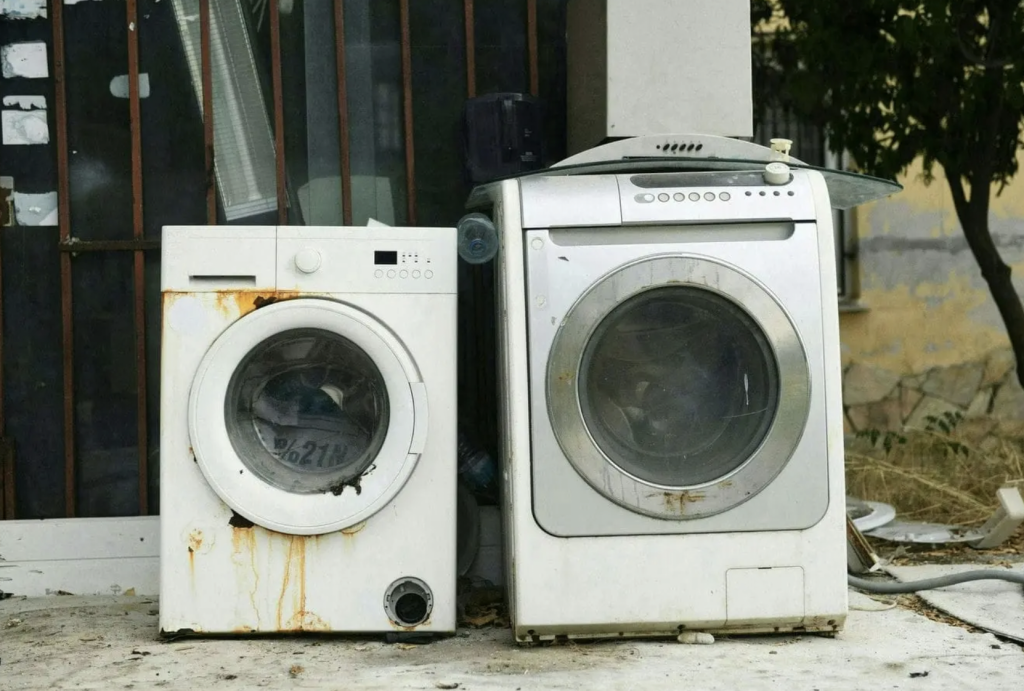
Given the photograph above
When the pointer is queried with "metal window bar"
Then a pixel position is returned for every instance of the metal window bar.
(64, 223)
(343, 143)
(138, 272)
(410, 154)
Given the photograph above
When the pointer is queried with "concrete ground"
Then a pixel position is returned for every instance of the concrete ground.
(112, 643)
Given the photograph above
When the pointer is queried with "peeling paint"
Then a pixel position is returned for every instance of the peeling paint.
(119, 86)
(35, 209)
(26, 59)
(23, 9)
(24, 127)
(25, 102)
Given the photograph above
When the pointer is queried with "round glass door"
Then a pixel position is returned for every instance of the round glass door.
(307, 416)
(307, 409)
(684, 381)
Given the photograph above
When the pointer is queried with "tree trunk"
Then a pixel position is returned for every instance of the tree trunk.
(973, 215)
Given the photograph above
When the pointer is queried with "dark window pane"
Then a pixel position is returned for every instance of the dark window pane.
(439, 90)
(33, 373)
(106, 411)
(501, 56)
(99, 135)
(154, 321)
(173, 160)
(373, 66)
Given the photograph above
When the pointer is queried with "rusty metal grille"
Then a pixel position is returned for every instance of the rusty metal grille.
(79, 387)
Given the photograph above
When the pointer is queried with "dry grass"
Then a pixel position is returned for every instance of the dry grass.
(948, 473)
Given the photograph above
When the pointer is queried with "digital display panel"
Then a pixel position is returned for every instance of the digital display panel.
(386, 257)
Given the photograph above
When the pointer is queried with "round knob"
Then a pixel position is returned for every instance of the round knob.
(307, 261)
(776, 173)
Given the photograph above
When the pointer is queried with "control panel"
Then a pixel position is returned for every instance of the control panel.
(716, 196)
(373, 259)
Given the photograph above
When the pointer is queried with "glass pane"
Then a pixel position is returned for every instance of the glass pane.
(307, 411)
(501, 56)
(154, 320)
(33, 370)
(243, 135)
(373, 69)
(678, 386)
(173, 160)
(106, 399)
(438, 38)
(99, 132)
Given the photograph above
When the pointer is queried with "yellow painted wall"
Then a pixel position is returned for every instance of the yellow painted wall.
(927, 304)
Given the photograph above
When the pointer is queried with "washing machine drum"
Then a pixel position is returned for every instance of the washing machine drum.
(678, 386)
(307, 416)
(661, 388)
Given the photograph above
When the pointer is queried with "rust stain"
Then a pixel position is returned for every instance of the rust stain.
(353, 529)
(195, 540)
(243, 540)
(301, 619)
(677, 501)
(238, 303)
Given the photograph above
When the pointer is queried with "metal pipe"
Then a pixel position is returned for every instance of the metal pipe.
(531, 42)
(467, 7)
(343, 143)
(207, 78)
(139, 268)
(64, 221)
(410, 155)
(275, 59)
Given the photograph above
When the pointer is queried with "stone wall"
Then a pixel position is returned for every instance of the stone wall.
(877, 398)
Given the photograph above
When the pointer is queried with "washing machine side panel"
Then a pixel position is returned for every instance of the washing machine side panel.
(513, 385)
(222, 575)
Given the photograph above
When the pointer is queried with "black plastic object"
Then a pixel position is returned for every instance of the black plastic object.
(502, 136)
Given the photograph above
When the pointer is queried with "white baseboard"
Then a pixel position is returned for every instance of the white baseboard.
(80, 556)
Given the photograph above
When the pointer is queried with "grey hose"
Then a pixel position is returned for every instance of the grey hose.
(930, 583)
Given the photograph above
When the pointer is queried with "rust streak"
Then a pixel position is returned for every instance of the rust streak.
(64, 222)
(243, 540)
(343, 143)
(275, 63)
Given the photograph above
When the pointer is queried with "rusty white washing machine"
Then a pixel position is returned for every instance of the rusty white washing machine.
(308, 430)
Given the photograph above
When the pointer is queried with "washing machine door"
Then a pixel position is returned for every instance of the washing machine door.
(678, 387)
(307, 416)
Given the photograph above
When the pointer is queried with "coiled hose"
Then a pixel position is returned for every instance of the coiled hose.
(889, 588)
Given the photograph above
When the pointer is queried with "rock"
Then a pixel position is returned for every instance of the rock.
(957, 384)
(915, 381)
(930, 406)
(909, 398)
(999, 365)
(976, 429)
(695, 638)
(883, 416)
(979, 406)
(866, 384)
(1009, 402)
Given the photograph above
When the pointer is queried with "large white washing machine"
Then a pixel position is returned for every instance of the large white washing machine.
(672, 437)
(308, 430)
